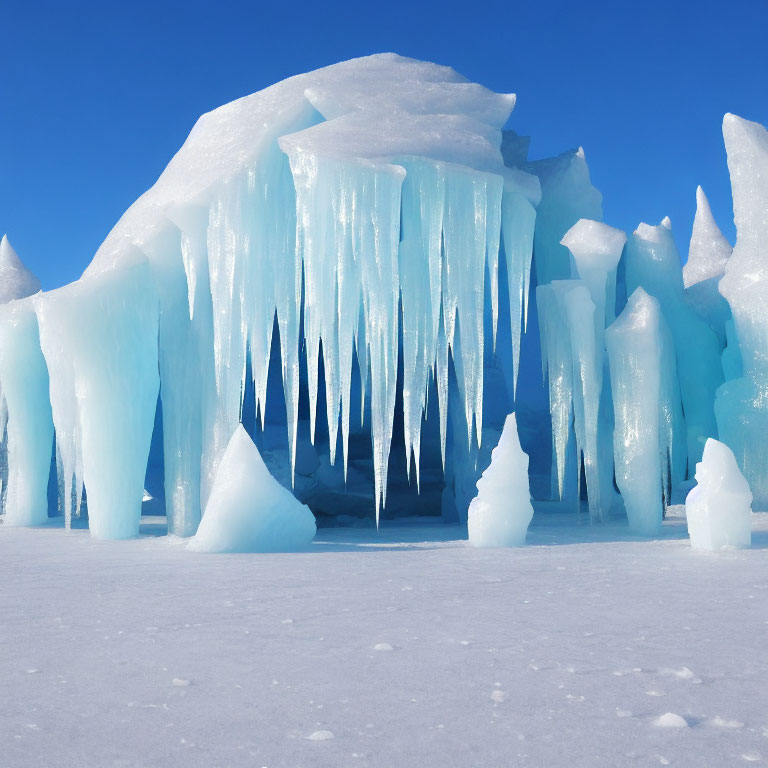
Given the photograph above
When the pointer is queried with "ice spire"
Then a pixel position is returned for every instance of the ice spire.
(709, 251)
(708, 256)
(646, 407)
(16, 281)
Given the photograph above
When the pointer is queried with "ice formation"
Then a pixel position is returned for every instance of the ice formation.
(26, 415)
(653, 262)
(248, 510)
(708, 256)
(742, 403)
(342, 262)
(16, 281)
(646, 408)
(719, 506)
(501, 512)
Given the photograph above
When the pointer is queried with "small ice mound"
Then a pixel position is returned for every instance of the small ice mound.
(321, 736)
(500, 513)
(719, 506)
(248, 510)
(671, 720)
(180, 682)
(722, 722)
(383, 647)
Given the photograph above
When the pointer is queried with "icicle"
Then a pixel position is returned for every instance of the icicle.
(555, 344)
(518, 219)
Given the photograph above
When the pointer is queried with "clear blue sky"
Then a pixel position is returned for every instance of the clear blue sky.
(95, 97)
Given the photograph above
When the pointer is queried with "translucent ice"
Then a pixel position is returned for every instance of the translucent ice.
(653, 262)
(29, 438)
(567, 195)
(248, 510)
(99, 338)
(718, 507)
(646, 409)
(367, 198)
(708, 256)
(709, 251)
(500, 513)
(742, 403)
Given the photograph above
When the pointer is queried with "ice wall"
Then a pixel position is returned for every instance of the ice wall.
(366, 213)
(742, 413)
(646, 410)
(353, 204)
(718, 507)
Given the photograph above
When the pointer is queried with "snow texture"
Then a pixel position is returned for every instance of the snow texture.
(248, 510)
(501, 512)
(719, 506)
(561, 653)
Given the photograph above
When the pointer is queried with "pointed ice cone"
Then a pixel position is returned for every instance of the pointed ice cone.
(501, 512)
(16, 281)
(248, 510)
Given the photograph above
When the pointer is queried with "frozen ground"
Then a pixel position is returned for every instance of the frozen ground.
(383, 650)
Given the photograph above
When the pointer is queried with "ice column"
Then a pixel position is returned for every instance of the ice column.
(186, 364)
(644, 396)
(596, 249)
(24, 381)
(99, 337)
(742, 403)
(653, 262)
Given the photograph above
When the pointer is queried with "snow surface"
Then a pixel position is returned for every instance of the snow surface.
(566, 652)
(501, 512)
(248, 510)
(719, 506)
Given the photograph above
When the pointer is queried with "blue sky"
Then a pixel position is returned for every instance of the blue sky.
(95, 97)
